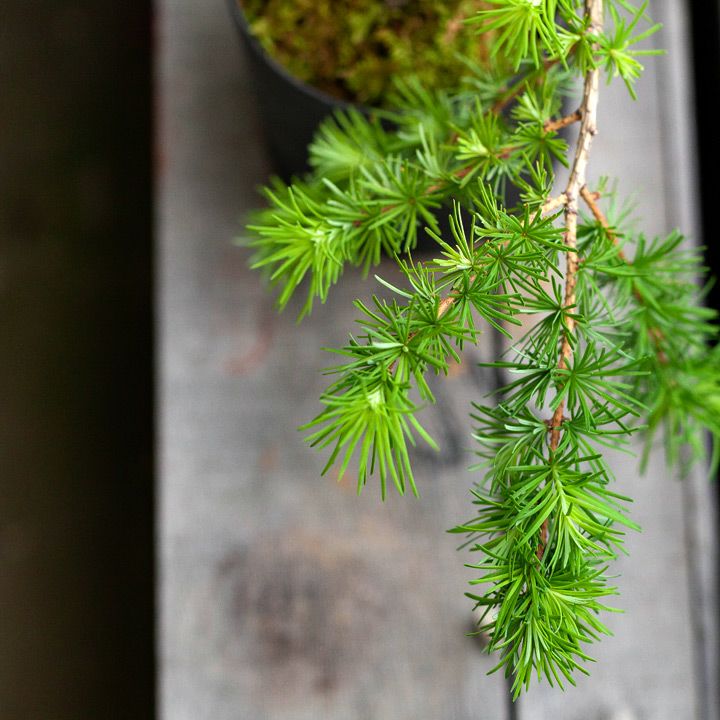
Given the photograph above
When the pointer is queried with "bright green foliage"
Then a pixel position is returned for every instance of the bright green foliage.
(401, 340)
(547, 523)
(654, 301)
(374, 189)
(525, 28)
(615, 54)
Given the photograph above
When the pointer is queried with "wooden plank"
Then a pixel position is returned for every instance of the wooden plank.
(282, 594)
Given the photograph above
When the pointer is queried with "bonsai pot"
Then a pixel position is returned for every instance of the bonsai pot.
(290, 109)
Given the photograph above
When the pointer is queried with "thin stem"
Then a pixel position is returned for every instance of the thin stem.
(576, 182)
(554, 204)
(560, 123)
(591, 199)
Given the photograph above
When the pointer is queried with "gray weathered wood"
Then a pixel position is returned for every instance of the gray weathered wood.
(284, 595)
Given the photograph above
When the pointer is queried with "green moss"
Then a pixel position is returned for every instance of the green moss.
(354, 48)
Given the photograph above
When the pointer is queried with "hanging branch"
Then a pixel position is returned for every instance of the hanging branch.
(576, 183)
(612, 345)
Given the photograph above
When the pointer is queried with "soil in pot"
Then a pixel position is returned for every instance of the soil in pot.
(353, 49)
(311, 57)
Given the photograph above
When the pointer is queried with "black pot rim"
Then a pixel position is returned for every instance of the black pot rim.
(244, 28)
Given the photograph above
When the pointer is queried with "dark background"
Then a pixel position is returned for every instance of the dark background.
(76, 480)
(76, 363)
(705, 20)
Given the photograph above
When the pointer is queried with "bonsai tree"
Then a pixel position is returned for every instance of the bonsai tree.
(617, 344)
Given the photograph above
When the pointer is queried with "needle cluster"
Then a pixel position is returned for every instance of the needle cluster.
(611, 338)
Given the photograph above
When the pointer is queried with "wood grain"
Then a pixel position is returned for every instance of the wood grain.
(283, 595)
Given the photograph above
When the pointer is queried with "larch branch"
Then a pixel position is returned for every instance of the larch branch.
(576, 182)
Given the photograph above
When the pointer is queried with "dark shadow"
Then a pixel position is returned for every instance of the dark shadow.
(76, 446)
(705, 23)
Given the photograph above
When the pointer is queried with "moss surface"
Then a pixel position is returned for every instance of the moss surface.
(353, 48)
